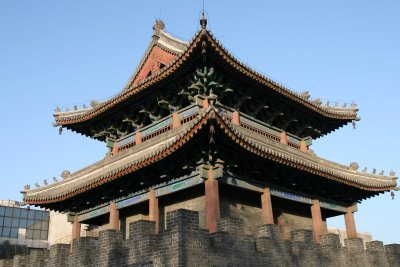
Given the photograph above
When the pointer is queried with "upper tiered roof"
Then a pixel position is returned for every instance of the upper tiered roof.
(164, 82)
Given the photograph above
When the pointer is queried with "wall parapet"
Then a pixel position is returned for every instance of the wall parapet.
(183, 243)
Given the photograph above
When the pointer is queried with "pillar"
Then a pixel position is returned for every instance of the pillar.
(176, 120)
(114, 216)
(212, 201)
(153, 208)
(76, 228)
(317, 222)
(267, 215)
(115, 148)
(303, 146)
(236, 118)
(350, 224)
(283, 138)
(205, 103)
(138, 138)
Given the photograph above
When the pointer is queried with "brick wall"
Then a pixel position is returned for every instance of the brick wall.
(184, 243)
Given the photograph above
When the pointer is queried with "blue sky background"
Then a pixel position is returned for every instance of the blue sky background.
(67, 53)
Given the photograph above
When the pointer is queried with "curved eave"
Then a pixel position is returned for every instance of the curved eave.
(272, 151)
(166, 150)
(64, 119)
(344, 114)
(312, 164)
(328, 112)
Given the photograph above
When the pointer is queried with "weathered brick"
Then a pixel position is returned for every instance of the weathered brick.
(183, 243)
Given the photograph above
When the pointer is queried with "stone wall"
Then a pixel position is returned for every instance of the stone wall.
(183, 243)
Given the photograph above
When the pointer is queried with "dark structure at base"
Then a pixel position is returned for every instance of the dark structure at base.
(183, 243)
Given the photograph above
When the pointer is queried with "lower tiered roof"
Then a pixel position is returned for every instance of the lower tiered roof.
(250, 148)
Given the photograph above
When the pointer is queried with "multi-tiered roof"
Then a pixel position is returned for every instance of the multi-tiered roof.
(180, 110)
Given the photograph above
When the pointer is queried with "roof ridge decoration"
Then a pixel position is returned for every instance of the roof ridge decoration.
(271, 151)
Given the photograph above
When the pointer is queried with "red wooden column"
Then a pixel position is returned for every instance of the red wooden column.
(303, 146)
(235, 118)
(205, 103)
(153, 208)
(115, 148)
(317, 222)
(350, 224)
(114, 216)
(176, 120)
(212, 201)
(267, 215)
(138, 138)
(76, 228)
(283, 138)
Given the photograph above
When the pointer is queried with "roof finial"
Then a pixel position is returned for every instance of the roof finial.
(203, 20)
(158, 26)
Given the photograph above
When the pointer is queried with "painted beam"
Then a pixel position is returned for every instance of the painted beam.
(136, 199)
(279, 193)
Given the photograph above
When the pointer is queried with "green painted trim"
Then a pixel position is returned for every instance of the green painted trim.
(155, 127)
(332, 206)
(94, 213)
(141, 197)
(186, 113)
(308, 141)
(179, 186)
(109, 143)
(132, 201)
(127, 140)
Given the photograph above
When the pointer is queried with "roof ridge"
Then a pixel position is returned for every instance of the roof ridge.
(298, 96)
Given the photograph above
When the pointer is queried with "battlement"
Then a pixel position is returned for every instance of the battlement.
(183, 243)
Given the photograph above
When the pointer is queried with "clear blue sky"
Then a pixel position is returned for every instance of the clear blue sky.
(70, 52)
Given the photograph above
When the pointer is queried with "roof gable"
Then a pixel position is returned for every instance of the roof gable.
(157, 59)
(162, 50)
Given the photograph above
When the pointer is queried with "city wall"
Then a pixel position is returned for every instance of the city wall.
(183, 243)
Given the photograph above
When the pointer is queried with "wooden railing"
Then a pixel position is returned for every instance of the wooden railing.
(147, 133)
(261, 128)
(129, 145)
(260, 132)
(157, 133)
(190, 113)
